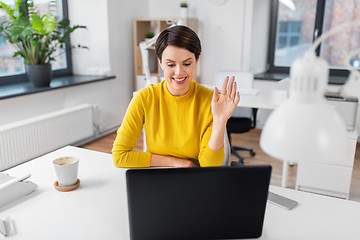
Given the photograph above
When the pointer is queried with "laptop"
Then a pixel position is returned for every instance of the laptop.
(197, 203)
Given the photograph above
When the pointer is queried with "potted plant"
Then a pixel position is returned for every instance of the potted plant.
(36, 36)
(149, 35)
(183, 10)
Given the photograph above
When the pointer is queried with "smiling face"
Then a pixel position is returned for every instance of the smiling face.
(179, 66)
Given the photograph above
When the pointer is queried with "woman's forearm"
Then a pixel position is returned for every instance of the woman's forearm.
(216, 141)
(170, 161)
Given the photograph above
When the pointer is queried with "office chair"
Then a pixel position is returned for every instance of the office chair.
(227, 150)
(243, 119)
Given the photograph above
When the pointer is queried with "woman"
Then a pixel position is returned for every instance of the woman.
(184, 121)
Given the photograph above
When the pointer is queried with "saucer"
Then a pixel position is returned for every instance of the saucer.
(66, 189)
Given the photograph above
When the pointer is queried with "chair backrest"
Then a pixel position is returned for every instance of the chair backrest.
(227, 150)
(244, 80)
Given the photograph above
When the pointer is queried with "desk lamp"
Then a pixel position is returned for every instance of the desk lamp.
(306, 128)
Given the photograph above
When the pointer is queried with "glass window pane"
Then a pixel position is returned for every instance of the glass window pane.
(14, 65)
(281, 42)
(295, 27)
(283, 27)
(300, 22)
(43, 6)
(294, 41)
(335, 48)
(9, 64)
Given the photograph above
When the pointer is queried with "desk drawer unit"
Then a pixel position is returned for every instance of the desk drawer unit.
(324, 179)
(329, 179)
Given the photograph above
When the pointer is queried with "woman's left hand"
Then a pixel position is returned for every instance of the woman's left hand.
(224, 106)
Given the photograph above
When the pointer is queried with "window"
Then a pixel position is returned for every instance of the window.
(296, 23)
(287, 41)
(12, 69)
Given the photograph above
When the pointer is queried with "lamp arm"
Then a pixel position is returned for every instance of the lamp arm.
(352, 85)
(333, 31)
(144, 49)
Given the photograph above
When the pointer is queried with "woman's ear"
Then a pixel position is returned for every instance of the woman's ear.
(197, 61)
(159, 60)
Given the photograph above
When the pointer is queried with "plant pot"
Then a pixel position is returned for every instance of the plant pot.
(183, 12)
(39, 75)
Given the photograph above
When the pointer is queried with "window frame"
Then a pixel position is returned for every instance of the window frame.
(22, 78)
(338, 76)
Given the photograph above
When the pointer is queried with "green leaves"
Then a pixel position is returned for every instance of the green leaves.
(19, 30)
(49, 21)
(44, 25)
(8, 10)
(36, 36)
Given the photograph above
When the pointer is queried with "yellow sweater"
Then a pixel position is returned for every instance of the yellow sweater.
(174, 126)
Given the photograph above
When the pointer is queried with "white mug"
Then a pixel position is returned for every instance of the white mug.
(66, 169)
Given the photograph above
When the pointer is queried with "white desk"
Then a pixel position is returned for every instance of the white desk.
(98, 208)
(265, 99)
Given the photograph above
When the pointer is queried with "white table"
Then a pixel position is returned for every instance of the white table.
(264, 99)
(98, 208)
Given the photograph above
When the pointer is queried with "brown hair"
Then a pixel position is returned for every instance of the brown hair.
(179, 36)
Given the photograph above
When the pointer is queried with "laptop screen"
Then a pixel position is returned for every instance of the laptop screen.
(197, 203)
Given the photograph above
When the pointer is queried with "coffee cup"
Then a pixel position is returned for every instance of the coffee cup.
(66, 169)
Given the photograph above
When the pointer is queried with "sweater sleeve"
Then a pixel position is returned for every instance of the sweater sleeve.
(207, 156)
(128, 134)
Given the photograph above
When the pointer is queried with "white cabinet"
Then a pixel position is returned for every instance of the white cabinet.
(329, 179)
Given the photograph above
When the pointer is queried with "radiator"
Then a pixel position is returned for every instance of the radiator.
(29, 138)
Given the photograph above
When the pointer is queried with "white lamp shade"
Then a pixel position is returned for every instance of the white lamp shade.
(298, 132)
(306, 128)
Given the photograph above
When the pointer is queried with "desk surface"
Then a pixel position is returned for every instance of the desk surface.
(265, 98)
(98, 208)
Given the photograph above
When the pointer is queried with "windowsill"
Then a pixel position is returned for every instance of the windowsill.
(336, 80)
(271, 76)
(21, 89)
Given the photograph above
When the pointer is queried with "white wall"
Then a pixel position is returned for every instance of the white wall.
(93, 14)
(120, 28)
(259, 36)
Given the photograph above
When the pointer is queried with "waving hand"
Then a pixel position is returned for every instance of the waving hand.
(224, 106)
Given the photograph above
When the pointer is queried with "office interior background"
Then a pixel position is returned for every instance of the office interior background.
(235, 35)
